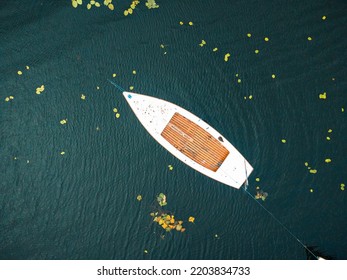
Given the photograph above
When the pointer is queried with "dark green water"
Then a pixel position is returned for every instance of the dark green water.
(82, 205)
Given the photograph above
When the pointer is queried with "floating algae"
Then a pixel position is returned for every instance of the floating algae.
(139, 197)
(249, 35)
(284, 141)
(170, 167)
(324, 17)
(191, 219)
(273, 76)
(309, 38)
(191, 23)
(266, 39)
(181, 23)
(256, 51)
(313, 171)
(215, 49)
(63, 121)
(19, 72)
(83, 97)
(117, 115)
(327, 160)
(161, 199)
(342, 186)
(226, 57)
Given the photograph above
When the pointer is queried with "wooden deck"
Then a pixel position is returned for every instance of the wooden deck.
(194, 142)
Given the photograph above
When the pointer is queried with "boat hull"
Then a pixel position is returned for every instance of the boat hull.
(190, 139)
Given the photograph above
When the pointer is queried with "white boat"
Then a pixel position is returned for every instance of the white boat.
(190, 139)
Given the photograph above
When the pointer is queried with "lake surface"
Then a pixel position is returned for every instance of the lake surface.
(68, 191)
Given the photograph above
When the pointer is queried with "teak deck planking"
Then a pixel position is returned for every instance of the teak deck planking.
(195, 142)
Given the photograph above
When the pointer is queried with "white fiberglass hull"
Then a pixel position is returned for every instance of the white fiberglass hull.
(155, 114)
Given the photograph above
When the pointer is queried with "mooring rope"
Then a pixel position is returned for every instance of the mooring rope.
(117, 86)
(278, 221)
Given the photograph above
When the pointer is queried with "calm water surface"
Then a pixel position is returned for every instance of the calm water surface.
(82, 205)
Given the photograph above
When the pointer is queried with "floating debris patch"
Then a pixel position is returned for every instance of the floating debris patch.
(131, 9)
(150, 4)
(161, 199)
(203, 43)
(40, 89)
(9, 98)
(323, 95)
(261, 195)
(168, 222)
